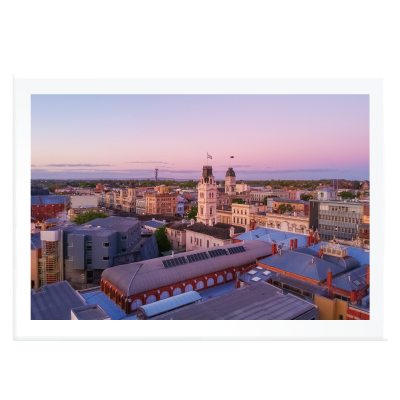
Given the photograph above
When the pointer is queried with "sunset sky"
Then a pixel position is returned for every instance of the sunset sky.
(270, 136)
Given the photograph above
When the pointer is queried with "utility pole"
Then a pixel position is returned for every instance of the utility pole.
(156, 175)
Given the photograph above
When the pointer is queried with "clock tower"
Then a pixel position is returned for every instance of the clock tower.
(207, 197)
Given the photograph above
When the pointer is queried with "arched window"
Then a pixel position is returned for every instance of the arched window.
(177, 291)
(208, 243)
(201, 210)
(210, 210)
(220, 279)
(136, 304)
(151, 299)
(200, 285)
(210, 282)
(229, 276)
(189, 288)
(164, 295)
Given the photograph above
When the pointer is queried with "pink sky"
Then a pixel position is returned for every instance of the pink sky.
(270, 136)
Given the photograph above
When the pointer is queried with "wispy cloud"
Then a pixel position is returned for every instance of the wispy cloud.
(78, 165)
(146, 162)
(33, 165)
(284, 171)
(184, 171)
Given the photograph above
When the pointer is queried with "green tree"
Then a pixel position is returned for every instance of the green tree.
(193, 212)
(238, 201)
(265, 201)
(88, 216)
(306, 197)
(162, 239)
(346, 195)
(284, 208)
(358, 194)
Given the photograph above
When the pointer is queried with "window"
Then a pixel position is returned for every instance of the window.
(106, 258)
(70, 244)
(201, 242)
(340, 316)
(124, 250)
(191, 239)
(123, 237)
(32, 284)
(106, 244)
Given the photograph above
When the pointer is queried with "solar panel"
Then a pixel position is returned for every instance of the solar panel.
(165, 264)
(356, 282)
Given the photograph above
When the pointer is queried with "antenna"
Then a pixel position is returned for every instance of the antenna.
(156, 174)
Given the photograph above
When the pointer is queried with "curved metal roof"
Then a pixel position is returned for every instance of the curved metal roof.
(147, 275)
(162, 306)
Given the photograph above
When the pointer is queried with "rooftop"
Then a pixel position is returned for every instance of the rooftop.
(54, 302)
(90, 312)
(291, 201)
(353, 280)
(44, 200)
(154, 224)
(215, 231)
(304, 265)
(257, 302)
(360, 255)
(178, 226)
(171, 303)
(151, 274)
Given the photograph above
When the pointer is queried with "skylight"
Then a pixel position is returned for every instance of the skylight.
(256, 279)
(266, 272)
(260, 268)
(356, 282)
(252, 272)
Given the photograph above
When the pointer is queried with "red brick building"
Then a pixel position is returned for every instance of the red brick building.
(46, 207)
(136, 284)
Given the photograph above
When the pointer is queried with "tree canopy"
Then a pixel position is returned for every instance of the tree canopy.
(238, 201)
(346, 195)
(306, 197)
(193, 212)
(162, 239)
(88, 216)
(285, 208)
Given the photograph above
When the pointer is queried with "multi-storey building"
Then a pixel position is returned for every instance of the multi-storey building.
(87, 250)
(45, 207)
(84, 200)
(140, 205)
(297, 205)
(161, 203)
(207, 197)
(232, 190)
(126, 200)
(339, 219)
(260, 195)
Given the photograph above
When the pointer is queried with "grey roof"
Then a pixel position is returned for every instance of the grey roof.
(221, 190)
(299, 284)
(261, 301)
(147, 275)
(178, 226)
(36, 243)
(171, 303)
(278, 200)
(55, 301)
(215, 231)
(90, 312)
(43, 200)
(349, 280)
(301, 264)
(154, 224)
(120, 224)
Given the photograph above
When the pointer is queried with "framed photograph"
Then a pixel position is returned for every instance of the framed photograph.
(198, 209)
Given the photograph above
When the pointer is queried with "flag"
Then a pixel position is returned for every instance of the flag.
(231, 156)
(208, 156)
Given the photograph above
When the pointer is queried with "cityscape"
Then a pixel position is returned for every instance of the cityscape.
(268, 225)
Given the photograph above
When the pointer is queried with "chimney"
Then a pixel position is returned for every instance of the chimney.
(192, 221)
(172, 255)
(295, 243)
(273, 248)
(237, 283)
(353, 297)
(291, 244)
(329, 278)
(368, 275)
(308, 241)
(311, 237)
(231, 231)
(320, 253)
(252, 225)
